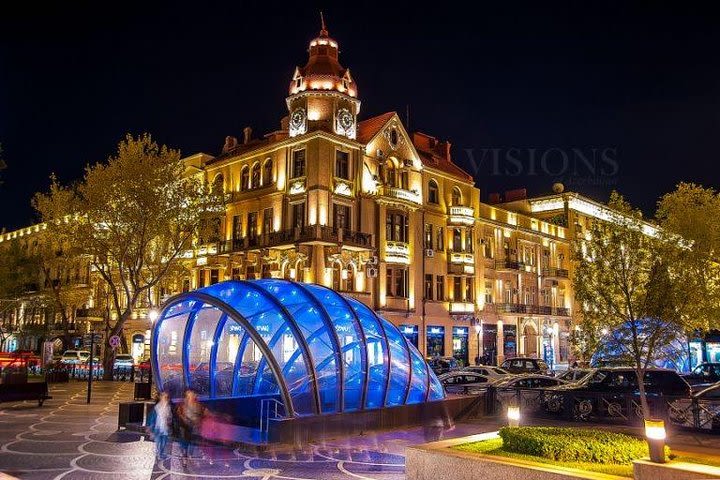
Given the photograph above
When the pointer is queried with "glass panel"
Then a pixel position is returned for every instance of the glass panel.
(248, 359)
(272, 325)
(436, 389)
(349, 338)
(376, 354)
(170, 336)
(399, 365)
(312, 325)
(199, 346)
(228, 346)
(418, 387)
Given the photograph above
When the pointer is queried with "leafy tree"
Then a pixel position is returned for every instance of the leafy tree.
(632, 291)
(133, 216)
(691, 212)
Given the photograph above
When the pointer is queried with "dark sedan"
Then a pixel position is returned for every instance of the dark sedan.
(608, 392)
(704, 374)
(525, 365)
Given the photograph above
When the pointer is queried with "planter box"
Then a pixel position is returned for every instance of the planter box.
(643, 470)
(437, 461)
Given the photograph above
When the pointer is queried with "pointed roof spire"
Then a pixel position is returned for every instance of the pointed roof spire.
(323, 28)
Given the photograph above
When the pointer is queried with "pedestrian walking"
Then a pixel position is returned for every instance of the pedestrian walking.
(190, 415)
(160, 423)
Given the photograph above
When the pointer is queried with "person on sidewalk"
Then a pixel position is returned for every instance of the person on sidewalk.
(160, 423)
(190, 415)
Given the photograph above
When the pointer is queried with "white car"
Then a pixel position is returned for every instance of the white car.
(462, 382)
(123, 360)
(75, 357)
(490, 371)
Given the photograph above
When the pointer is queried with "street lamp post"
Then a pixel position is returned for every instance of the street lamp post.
(478, 332)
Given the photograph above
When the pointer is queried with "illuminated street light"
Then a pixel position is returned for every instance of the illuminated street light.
(513, 415)
(153, 315)
(655, 433)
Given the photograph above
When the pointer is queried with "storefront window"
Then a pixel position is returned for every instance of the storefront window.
(460, 345)
(489, 345)
(713, 352)
(510, 341)
(411, 333)
(435, 341)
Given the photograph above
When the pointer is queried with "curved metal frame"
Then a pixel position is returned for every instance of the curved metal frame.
(199, 299)
(363, 348)
(239, 318)
(336, 343)
(307, 357)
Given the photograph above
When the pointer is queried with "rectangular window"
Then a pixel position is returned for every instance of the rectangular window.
(298, 215)
(342, 165)
(457, 240)
(237, 227)
(428, 287)
(252, 225)
(396, 227)
(267, 221)
(186, 285)
(201, 278)
(487, 247)
(440, 288)
(457, 289)
(341, 216)
(428, 236)
(236, 273)
(214, 276)
(396, 282)
(440, 238)
(469, 289)
(298, 164)
(489, 292)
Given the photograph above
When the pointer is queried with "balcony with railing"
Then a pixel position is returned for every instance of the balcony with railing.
(397, 252)
(355, 239)
(460, 307)
(508, 265)
(459, 215)
(291, 236)
(531, 309)
(239, 195)
(90, 313)
(411, 196)
(555, 273)
(460, 262)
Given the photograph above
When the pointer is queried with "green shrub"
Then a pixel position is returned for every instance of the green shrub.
(574, 444)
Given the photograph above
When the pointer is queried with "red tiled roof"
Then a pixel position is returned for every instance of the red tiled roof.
(367, 129)
(432, 158)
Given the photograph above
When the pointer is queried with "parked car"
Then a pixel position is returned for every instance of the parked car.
(530, 380)
(708, 401)
(464, 382)
(490, 371)
(75, 357)
(124, 360)
(575, 374)
(706, 373)
(526, 365)
(606, 390)
(441, 365)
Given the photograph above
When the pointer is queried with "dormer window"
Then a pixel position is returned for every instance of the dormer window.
(393, 138)
(298, 82)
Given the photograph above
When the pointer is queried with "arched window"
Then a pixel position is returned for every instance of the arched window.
(433, 192)
(350, 280)
(244, 178)
(218, 185)
(255, 177)
(390, 173)
(456, 197)
(404, 180)
(337, 273)
(267, 176)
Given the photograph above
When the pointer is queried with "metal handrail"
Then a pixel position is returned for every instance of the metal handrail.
(265, 412)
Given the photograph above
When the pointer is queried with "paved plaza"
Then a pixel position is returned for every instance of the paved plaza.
(68, 439)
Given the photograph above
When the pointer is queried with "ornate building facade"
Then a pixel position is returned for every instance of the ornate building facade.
(384, 215)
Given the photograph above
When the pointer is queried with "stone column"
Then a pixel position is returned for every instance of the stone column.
(500, 343)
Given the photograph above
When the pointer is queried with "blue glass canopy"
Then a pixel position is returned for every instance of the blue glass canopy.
(317, 351)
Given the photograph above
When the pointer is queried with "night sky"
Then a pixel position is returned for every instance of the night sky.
(639, 84)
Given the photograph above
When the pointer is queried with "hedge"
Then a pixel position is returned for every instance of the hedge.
(574, 444)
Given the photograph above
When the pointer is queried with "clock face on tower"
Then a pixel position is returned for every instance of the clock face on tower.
(298, 122)
(345, 123)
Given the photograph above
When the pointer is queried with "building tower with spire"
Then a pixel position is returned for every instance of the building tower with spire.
(323, 94)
